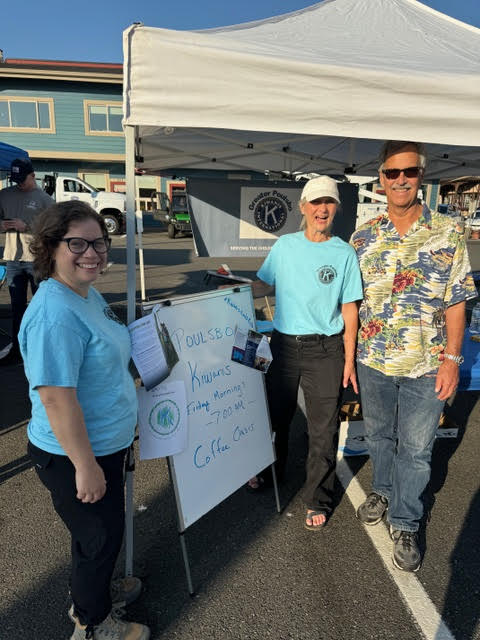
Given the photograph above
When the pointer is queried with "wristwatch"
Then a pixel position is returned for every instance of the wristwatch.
(457, 359)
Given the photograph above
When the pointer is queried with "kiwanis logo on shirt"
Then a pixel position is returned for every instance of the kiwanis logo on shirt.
(326, 274)
(111, 315)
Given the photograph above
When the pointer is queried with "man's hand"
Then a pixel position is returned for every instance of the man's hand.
(90, 482)
(18, 225)
(7, 224)
(349, 375)
(14, 224)
(447, 379)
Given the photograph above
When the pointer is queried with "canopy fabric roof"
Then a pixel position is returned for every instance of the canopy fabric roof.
(313, 90)
(8, 153)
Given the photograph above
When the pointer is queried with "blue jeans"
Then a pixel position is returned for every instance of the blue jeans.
(19, 276)
(401, 416)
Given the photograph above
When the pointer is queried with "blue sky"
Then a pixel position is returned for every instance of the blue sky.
(92, 30)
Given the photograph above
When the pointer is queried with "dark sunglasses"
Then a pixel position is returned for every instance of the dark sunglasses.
(80, 245)
(409, 172)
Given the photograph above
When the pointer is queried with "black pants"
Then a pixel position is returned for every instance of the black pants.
(19, 276)
(96, 528)
(316, 364)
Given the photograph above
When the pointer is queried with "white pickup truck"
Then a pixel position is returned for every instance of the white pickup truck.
(111, 206)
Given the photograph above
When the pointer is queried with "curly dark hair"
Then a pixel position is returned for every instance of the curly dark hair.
(51, 226)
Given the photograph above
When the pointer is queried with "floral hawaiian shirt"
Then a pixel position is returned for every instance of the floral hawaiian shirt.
(408, 282)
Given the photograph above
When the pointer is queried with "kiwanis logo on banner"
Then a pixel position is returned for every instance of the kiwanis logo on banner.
(268, 212)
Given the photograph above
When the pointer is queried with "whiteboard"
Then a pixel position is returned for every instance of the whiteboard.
(229, 435)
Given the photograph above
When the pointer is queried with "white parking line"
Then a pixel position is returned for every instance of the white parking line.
(412, 592)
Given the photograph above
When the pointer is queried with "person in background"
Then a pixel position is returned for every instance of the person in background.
(19, 204)
(84, 410)
(317, 282)
(416, 277)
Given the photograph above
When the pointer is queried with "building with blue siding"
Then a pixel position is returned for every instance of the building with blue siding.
(68, 116)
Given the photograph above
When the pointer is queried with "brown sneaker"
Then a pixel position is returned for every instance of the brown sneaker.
(126, 589)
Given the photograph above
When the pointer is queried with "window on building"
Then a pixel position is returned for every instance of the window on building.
(98, 181)
(145, 186)
(33, 115)
(103, 118)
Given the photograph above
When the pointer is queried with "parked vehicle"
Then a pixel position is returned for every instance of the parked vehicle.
(447, 208)
(174, 213)
(112, 206)
(473, 222)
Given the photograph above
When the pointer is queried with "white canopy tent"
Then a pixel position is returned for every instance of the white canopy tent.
(291, 92)
(314, 90)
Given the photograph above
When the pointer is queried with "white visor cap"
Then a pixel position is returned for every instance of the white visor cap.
(321, 187)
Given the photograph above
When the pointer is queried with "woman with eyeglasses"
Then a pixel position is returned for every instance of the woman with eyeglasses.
(84, 410)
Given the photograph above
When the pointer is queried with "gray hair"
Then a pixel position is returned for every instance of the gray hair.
(301, 202)
(391, 147)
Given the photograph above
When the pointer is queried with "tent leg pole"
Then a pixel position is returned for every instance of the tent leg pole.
(130, 197)
(131, 295)
(139, 218)
(129, 512)
(275, 488)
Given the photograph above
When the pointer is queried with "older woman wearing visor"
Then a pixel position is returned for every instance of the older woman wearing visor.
(317, 282)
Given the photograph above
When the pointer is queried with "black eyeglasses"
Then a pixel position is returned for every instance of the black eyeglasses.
(409, 172)
(80, 245)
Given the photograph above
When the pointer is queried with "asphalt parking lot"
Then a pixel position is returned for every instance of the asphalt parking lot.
(257, 574)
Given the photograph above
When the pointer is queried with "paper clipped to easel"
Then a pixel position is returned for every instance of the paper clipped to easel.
(162, 420)
(251, 349)
(152, 350)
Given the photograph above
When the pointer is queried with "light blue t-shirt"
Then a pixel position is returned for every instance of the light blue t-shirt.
(312, 280)
(70, 341)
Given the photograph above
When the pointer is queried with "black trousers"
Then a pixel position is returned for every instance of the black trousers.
(316, 364)
(96, 528)
(19, 276)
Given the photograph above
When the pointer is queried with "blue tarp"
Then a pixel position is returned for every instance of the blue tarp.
(9, 153)
(470, 369)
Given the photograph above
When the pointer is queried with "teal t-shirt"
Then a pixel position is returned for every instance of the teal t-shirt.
(70, 341)
(312, 280)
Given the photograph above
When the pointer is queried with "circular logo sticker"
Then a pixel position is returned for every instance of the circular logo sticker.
(110, 314)
(327, 274)
(164, 418)
(270, 213)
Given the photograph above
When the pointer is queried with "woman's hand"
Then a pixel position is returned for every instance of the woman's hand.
(90, 482)
(66, 419)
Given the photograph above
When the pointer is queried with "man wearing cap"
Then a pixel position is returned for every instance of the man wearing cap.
(317, 283)
(19, 204)
(416, 276)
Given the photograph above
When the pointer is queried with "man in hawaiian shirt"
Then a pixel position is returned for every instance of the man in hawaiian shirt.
(416, 277)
